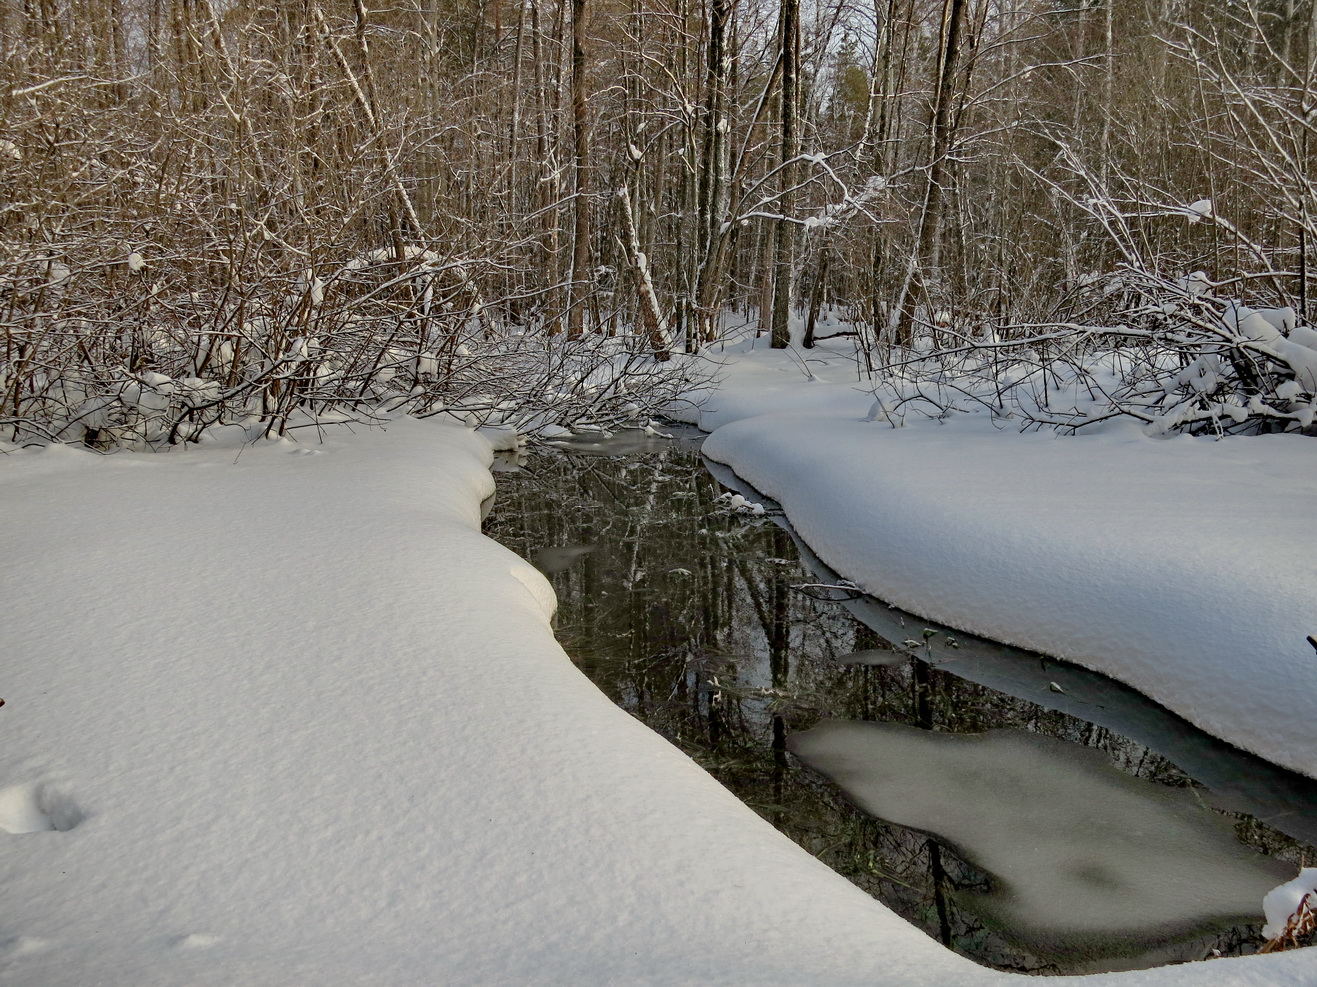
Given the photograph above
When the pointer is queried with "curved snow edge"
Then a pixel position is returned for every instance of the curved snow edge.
(1211, 628)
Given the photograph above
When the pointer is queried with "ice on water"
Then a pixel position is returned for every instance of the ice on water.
(1082, 856)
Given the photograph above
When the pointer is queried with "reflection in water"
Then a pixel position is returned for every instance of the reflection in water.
(1237, 780)
(557, 558)
(1085, 858)
(874, 656)
(701, 621)
(630, 443)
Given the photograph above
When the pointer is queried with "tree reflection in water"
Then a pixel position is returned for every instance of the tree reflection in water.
(699, 620)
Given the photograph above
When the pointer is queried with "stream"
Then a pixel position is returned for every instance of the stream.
(1032, 815)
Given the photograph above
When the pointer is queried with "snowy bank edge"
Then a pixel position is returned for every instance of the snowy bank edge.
(892, 955)
(754, 448)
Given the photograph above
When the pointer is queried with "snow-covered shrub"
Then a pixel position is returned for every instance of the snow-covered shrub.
(155, 283)
(1178, 359)
(375, 333)
(1291, 911)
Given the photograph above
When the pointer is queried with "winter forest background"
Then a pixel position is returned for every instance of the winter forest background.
(516, 210)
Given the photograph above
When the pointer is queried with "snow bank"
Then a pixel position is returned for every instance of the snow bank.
(1184, 567)
(1282, 902)
(281, 715)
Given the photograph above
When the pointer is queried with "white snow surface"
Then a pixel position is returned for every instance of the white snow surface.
(1282, 902)
(1183, 566)
(281, 715)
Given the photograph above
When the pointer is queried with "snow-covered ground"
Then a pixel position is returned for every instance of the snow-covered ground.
(1183, 566)
(279, 714)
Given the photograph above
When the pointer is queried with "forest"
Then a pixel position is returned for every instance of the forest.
(992, 323)
(528, 212)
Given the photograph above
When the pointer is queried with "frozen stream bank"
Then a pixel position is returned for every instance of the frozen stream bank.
(279, 714)
(1181, 566)
(699, 619)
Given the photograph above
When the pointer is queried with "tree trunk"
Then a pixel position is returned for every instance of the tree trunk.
(816, 298)
(581, 201)
(651, 314)
(784, 249)
(941, 131)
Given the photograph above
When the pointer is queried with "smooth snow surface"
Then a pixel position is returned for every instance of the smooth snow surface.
(1185, 567)
(293, 720)
(315, 730)
(21, 812)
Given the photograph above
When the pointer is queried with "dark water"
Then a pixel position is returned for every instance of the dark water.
(1029, 814)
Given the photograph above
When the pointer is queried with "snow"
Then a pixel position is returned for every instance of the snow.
(294, 720)
(278, 713)
(1087, 858)
(1282, 902)
(1181, 566)
(21, 811)
(1200, 210)
(1195, 284)
(314, 287)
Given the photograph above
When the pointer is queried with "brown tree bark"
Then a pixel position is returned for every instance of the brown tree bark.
(941, 133)
(581, 200)
(784, 253)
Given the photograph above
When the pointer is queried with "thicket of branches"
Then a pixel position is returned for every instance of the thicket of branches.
(223, 208)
